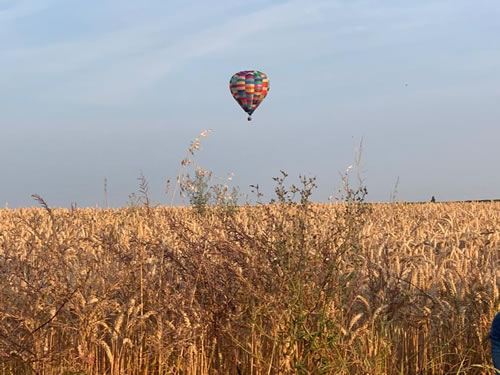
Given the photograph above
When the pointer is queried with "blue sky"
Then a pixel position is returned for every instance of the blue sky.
(107, 89)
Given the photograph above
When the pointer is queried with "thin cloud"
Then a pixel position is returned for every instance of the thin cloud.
(131, 60)
(114, 68)
(21, 8)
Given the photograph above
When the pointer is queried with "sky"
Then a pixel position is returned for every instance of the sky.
(94, 90)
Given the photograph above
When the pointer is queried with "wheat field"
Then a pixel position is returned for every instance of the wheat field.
(272, 289)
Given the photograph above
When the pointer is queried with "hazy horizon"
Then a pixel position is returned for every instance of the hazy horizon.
(94, 90)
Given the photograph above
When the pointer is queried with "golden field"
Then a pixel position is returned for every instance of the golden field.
(273, 289)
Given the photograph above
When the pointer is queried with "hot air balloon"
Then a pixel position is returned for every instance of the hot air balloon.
(249, 88)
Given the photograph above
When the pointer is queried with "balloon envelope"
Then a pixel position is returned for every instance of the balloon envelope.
(249, 88)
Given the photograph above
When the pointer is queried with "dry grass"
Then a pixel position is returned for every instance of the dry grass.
(274, 289)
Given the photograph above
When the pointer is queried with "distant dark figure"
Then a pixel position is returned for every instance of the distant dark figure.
(433, 200)
(495, 342)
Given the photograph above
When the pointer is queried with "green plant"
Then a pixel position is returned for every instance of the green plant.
(197, 190)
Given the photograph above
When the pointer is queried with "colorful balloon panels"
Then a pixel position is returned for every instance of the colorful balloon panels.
(249, 88)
